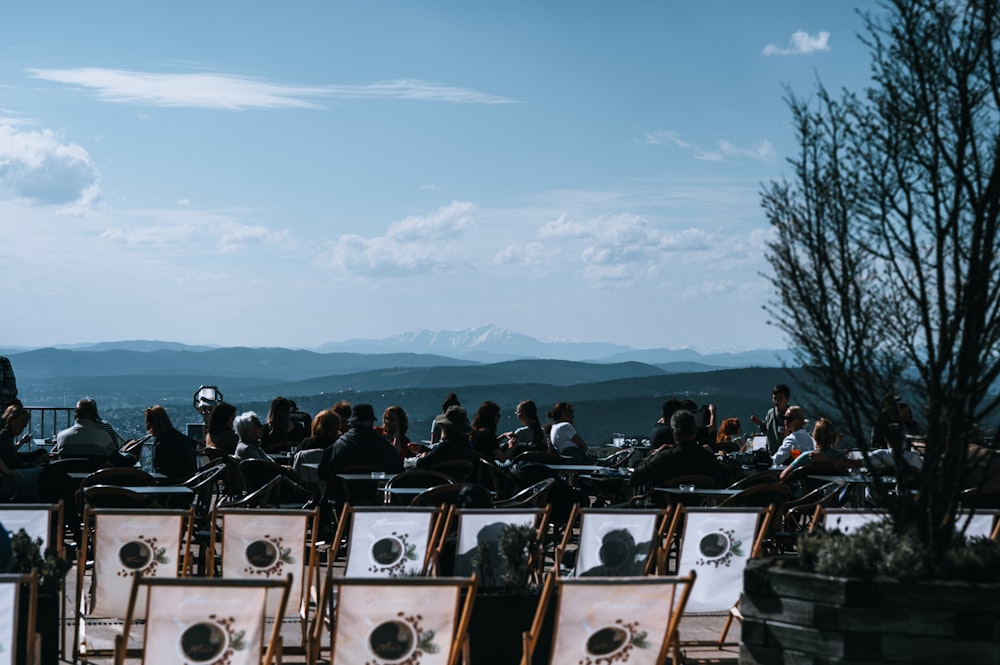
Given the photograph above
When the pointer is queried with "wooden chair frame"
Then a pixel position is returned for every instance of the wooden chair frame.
(33, 640)
(437, 524)
(578, 518)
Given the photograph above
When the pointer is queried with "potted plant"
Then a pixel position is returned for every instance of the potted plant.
(27, 555)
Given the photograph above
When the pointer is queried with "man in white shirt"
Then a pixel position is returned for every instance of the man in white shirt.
(85, 438)
(796, 437)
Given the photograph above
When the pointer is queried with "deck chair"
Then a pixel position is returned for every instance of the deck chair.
(613, 543)
(845, 520)
(477, 543)
(20, 642)
(388, 542)
(716, 543)
(608, 620)
(979, 523)
(123, 543)
(420, 621)
(203, 620)
(255, 544)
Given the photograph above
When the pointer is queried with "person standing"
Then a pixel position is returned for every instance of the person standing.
(771, 426)
(8, 384)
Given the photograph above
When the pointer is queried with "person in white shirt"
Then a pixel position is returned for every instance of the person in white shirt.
(564, 436)
(796, 437)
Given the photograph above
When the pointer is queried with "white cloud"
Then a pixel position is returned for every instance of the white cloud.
(39, 167)
(231, 92)
(724, 151)
(414, 245)
(801, 43)
(189, 230)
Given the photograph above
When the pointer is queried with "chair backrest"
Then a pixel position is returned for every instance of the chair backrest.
(759, 496)
(610, 620)
(478, 544)
(257, 472)
(203, 620)
(844, 519)
(113, 496)
(617, 459)
(498, 479)
(410, 620)
(123, 543)
(18, 642)
(39, 520)
(118, 475)
(539, 457)
(716, 543)
(206, 487)
(271, 544)
(419, 478)
(387, 542)
(764, 477)
(532, 496)
(459, 470)
(439, 496)
(614, 543)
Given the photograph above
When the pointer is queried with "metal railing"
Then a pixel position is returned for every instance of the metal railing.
(47, 421)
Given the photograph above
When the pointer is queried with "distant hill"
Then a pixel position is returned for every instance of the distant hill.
(134, 345)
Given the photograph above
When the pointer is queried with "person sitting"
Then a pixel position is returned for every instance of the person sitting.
(884, 459)
(564, 436)
(454, 442)
(173, 452)
(449, 401)
(361, 446)
(530, 436)
(343, 409)
(730, 437)
(85, 439)
(282, 431)
(825, 437)
(485, 442)
(796, 440)
(250, 430)
(661, 436)
(395, 423)
(686, 458)
(324, 432)
(18, 478)
(221, 435)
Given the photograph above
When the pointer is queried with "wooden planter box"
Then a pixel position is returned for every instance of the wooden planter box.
(793, 617)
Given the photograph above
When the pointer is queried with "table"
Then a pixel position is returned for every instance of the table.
(569, 471)
(706, 495)
(169, 496)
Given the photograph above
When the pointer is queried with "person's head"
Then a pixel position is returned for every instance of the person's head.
(455, 422)
(15, 419)
(894, 437)
(362, 415)
(729, 428)
(395, 421)
(487, 416)
(221, 418)
(279, 416)
(684, 426)
(449, 401)
(825, 434)
(326, 425)
(248, 427)
(527, 412)
(795, 418)
(669, 407)
(561, 412)
(157, 420)
(343, 409)
(780, 394)
(86, 409)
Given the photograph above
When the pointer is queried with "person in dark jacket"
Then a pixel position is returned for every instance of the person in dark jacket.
(174, 453)
(361, 445)
(687, 457)
(454, 443)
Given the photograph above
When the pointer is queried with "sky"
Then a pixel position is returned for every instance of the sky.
(288, 174)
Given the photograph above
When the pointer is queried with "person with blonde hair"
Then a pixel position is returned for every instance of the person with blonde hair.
(826, 438)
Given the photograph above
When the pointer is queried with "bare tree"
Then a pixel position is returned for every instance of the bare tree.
(886, 256)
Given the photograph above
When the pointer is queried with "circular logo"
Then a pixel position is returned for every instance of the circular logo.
(392, 641)
(607, 641)
(203, 642)
(387, 551)
(617, 549)
(714, 545)
(135, 555)
(261, 554)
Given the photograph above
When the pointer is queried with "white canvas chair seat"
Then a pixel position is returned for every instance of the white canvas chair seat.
(420, 621)
(844, 519)
(388, 542)
(124, 543)
(12, 589)
(203, 620)
(478, 535)
(610, 620)
(981, 523)
(614, 543)
(39, 520)
(269, 544)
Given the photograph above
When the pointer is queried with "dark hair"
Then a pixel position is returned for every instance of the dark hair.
(669, 406)
(559, 409)
(450, 400)
(278, 417)
(342, 409)
(157, 421)
(529, 410)
(218, 419)
(486, 416)
(402, 420)
(782, 389)
(86, 408)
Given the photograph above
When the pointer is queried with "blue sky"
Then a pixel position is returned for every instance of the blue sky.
(287, 174)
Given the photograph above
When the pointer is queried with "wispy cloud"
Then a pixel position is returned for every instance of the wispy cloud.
(38, 166)
(230, 92)
(723, 151)
(182, 230)
(415, 245)
(801, 43)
